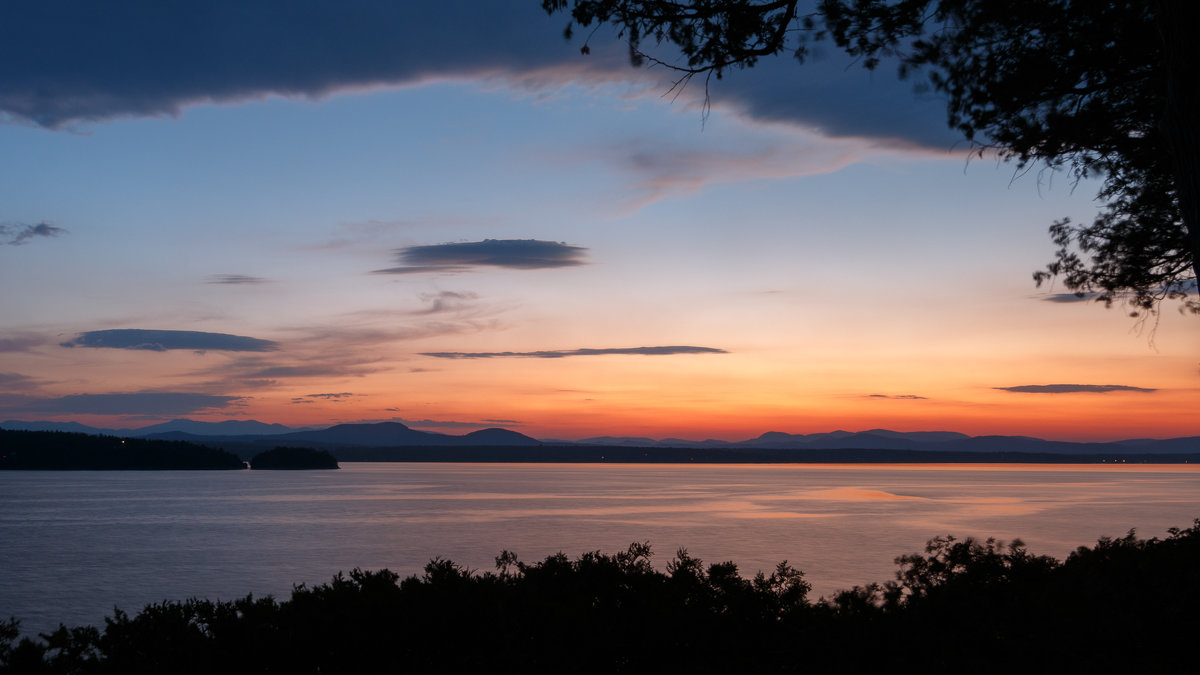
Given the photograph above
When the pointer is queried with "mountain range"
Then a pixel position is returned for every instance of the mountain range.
(395, 434)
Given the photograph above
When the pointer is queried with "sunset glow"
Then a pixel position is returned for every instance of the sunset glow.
(495, 231)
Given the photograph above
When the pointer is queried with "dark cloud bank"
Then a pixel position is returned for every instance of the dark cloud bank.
(164, 340)
(558, 354)
(64, 62)
(521, 254)
(1072, 388)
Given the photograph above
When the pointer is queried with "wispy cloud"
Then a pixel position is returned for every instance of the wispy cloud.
(20, 342)
(450, 424)
(249, 370)
(353, 337)
(905, 397)
(234, 279)
(1072, 388)
(662, 168)
(17, 235)
(16, 381)
(334, 398)
(562, 353)
(164, 340)
(522, 254)
(138, 403)
(447, 301)
(348, 350)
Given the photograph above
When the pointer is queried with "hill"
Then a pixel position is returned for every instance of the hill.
(369, 442)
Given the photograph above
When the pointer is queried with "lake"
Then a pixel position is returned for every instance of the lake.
(74, 544)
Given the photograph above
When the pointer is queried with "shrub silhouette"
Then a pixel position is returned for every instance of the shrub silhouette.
(985, 605)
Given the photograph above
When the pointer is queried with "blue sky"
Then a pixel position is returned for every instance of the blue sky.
(204, 174)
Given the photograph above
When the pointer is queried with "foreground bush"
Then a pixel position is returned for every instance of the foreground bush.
(979, 606)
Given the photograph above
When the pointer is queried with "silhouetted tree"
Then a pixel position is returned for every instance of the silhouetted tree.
(1100, 89)
(1125, 604)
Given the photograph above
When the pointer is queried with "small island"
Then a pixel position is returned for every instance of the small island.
(293, 458)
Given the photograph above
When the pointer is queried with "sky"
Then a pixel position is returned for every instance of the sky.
(444, 214)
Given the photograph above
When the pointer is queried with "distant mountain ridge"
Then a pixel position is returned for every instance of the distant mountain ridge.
(191, 427)
(377, 434)
(884, 439)
(395, 434)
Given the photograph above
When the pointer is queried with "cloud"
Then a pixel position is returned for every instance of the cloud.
(258, 369)
(144, 58)
(833, 94)
(349, 336)
(906, 397)
(1186, 286)
(659, 168)
(1072, 388)
(164, 340)
(449, 424)
(14, 381)
(1068, 297)
(336, 398)
(140, 403)
(558, 354)
(234, 279)
(348, 349)
(444, 424)
(447, 301)
(18, 235)
(522, 254)
(20, 342)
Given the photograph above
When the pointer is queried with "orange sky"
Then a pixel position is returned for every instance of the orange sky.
(303, 259)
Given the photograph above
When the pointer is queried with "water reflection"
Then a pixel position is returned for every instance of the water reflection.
(75, 544)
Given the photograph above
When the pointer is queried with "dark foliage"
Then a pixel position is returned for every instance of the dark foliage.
(1123, 604)
(293, 458)
(1099, 89)
(58, 450)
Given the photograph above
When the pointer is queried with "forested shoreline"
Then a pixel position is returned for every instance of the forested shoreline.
(60, 450)
(68, 451)
(985, 606)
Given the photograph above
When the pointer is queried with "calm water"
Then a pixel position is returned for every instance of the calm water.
(74, 544)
